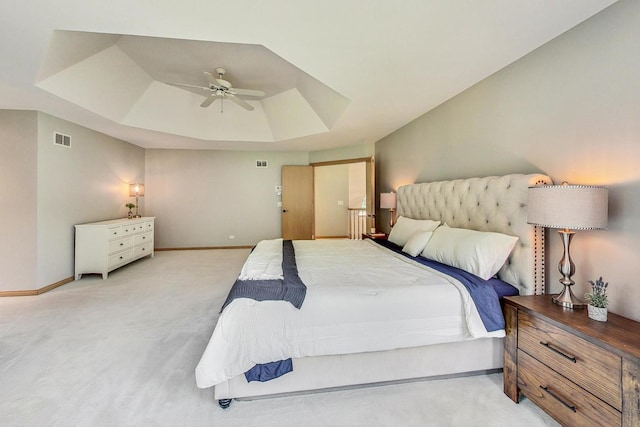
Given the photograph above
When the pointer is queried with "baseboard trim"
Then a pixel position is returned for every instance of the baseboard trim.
(203, 248)
(35, 292)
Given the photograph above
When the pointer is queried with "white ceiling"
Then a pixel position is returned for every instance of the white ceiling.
(335, 73)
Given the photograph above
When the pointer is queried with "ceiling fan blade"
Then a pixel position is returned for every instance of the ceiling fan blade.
(193, 86)
(209, 100)
(248, 92)
(240, 102)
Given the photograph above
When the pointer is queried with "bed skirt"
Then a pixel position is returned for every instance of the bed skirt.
(324, 373)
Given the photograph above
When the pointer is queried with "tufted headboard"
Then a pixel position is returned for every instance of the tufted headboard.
(495, 203)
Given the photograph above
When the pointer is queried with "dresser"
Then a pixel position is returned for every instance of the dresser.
(580, 371)
(103, 246)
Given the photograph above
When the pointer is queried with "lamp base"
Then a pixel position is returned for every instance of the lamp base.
(567, 299)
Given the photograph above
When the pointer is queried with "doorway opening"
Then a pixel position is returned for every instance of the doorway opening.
(343, 198)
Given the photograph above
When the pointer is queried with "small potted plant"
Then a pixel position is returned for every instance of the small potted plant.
(597, 300)
(130, 206)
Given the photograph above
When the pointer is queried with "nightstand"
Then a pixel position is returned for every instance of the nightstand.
(579, 371)
(375, 236)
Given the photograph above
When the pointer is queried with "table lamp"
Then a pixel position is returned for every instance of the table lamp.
(568, 208)
(388, 201)
(136, 190)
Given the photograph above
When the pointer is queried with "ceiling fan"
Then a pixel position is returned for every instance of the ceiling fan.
(221, 89)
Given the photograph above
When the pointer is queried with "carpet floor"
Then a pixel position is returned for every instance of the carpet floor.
(122, 352)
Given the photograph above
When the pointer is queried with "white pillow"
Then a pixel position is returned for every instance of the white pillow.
(406, 227)
(478, 252)
(417, 243)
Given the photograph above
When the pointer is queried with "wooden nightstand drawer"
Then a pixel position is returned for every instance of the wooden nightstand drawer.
(594, 368)
(568, 403)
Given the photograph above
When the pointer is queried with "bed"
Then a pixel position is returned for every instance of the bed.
(372, 313)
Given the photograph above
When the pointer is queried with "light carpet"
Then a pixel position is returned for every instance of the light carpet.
(122, 352)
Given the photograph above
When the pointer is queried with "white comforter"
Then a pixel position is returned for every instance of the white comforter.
(360, 297)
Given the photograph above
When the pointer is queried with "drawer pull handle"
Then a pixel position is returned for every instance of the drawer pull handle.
(573, 408)
(550, 347)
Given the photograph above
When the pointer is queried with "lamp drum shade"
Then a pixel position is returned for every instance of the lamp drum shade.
(574, 207)
(388, 200)
(136, 190)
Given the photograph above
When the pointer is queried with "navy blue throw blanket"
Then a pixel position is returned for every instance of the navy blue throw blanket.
(290, 288)
(482, 291)
(268, 371)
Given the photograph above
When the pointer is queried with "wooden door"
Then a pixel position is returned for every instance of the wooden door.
(371, 194)
(297, 202)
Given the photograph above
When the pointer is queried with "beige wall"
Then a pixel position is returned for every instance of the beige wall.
(18, 199)
(85, 183)
(51, 188)
(359, 151)
(331, 200)
(570, 109)
(201, 197)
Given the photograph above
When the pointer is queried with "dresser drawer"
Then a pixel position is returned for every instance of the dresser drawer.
(594, 368)
(120, 244)
(140, 251)
(114, 232)
(120, 258)
(138, 227)
(568, 403)
(141, 239)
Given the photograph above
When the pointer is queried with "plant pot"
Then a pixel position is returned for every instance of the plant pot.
(597, 313)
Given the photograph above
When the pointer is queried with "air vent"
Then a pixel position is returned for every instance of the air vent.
(61, 139)
(262, 164)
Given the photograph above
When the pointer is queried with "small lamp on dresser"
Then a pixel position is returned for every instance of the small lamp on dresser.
(389, 201)
(568, 208)
(136, 190)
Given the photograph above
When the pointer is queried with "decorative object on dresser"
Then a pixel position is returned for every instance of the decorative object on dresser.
(130, 206)
(389, 201)
(579, 371)
(136, 190)
(104, 246)
(569, 208)
(597, 300)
